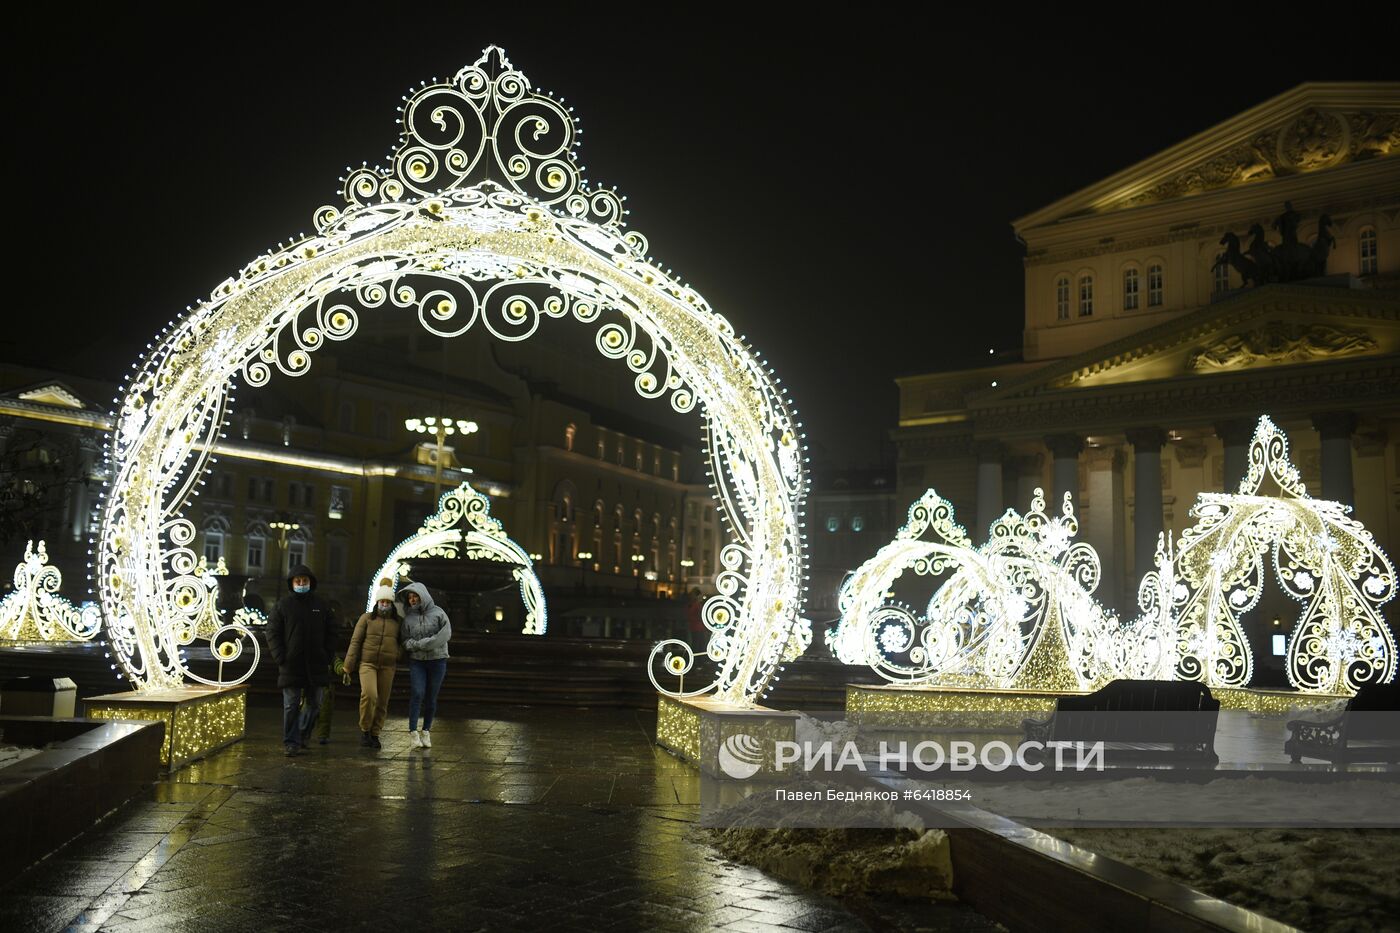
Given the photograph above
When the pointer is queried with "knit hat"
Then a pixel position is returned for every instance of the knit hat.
(385, 590)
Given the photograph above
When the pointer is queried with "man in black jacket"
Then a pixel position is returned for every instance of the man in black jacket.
(301, 636)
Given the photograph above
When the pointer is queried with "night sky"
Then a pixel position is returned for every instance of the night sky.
(841, 190)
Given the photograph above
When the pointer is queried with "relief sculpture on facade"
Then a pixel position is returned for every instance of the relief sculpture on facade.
(1279, 342)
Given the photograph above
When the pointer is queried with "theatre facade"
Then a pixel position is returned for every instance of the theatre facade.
(1252, 269)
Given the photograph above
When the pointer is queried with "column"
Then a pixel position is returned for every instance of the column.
(989, 502)
(1235, 434)
(1065, 448)
(1105, 520)
(82, 492)
(1028, 479)
(1147, 495)
(1336, 428)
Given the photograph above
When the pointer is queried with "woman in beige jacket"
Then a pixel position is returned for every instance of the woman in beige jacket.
(373, 655)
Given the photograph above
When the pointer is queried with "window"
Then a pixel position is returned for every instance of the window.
(602, 444)
(833, 523)
(267, 490)
(1130, 289)
(1368, 251)
(569, 432)
(340, 502)
(226, 485)
(213, 547)
(1062, 298)
(1154, 286)
(1222, 278)
(255, 553)
(308, 495)
(1086, 295)
(858, 523)
(253, 488)
(296, 554)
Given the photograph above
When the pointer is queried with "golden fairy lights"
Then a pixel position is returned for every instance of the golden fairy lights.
(483, 538)
(482, 218)
(34, 612)
(196, 723)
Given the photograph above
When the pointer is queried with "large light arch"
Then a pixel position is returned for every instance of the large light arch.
(482, 215)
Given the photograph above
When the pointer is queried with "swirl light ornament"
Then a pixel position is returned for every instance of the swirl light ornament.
(484, 538)
(1016, 613)
(33, 610)
(1321, 557)
(481, 216)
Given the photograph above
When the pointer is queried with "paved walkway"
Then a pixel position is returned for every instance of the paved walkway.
(517, 819)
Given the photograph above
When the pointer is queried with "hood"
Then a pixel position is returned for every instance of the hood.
(422, 591)
(301, 570)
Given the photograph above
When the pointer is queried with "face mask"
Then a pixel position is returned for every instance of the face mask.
(302, 589)
(385, 609)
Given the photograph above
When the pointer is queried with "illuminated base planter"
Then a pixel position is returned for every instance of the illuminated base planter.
(892, 698)
(198, 720)
(699, 730)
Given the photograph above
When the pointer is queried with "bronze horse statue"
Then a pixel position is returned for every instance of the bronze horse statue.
(1246, 267)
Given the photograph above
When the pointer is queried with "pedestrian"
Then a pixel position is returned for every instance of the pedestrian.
(373, 655)
(301, 636)
(425, 633)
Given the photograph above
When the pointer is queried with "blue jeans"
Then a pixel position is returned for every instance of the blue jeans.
(425, 680)
(296, 719)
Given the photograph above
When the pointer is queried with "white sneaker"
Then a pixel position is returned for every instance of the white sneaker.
(415, 739)
(427, 738)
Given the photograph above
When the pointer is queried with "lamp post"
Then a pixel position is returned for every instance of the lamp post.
(583, 558)
(441, 429)
(283, 529)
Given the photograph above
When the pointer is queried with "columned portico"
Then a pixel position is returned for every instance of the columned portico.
(1065, 448)
(1336, 429)
(1235, 434)
(1147, 495)
(989, 479)
(1028, 478)
(1105, 519)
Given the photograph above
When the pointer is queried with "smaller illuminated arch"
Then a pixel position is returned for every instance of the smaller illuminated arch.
(1322, 557)
(34, 611)
(483, 538)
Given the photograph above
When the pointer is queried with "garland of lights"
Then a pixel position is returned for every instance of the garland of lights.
(34, 611)
(1016, 613)
(1321, 557)
(484, 539)
(482, 216)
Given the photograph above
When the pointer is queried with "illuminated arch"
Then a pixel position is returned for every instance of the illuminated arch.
(483, 538)
(481, 216)
(1322, 557)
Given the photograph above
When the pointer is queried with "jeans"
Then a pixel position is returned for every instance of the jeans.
(425, 680)
(296, 719)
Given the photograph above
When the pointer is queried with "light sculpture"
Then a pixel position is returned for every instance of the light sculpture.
(33, 610)
(1015, 613)
(483, 538)
(1321, 557)
(481, 217)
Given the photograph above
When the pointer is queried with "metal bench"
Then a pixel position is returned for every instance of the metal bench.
(1368, 729)
(1137, 719)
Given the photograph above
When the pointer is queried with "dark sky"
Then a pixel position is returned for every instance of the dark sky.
(841, 189)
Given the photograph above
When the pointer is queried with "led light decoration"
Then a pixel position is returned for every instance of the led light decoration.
(1321, 557)
(483, 539)
(1017, 613)
(481, 219)
(34, 611)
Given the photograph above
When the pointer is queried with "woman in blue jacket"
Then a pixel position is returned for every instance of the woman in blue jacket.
(425, 632)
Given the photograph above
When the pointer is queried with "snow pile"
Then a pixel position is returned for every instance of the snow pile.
(1329, 880)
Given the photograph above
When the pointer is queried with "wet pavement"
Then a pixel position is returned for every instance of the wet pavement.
(516, 819)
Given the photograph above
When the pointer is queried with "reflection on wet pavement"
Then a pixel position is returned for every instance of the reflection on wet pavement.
(517, 818)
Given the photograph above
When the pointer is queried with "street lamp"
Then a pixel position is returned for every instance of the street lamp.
(441, 429)
(283, 529)
(583, 558)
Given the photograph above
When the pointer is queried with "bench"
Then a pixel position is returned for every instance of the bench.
(1368, 729)
(1137, 718)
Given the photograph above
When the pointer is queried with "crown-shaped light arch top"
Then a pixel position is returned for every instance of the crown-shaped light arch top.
(458, 231)
(464, 527)
(33, 610)
(1321, 556)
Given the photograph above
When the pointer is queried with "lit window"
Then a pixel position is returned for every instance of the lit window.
(833, 524)
(858, 523)
(1222, 278)
(1062, 298)
(1130, 289)
(1086, 295)
(1154, 286)
(1368, 251)
(340, 502)
(213, 547)
(569, 432)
